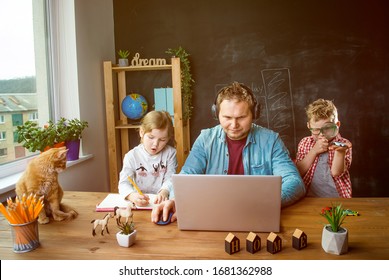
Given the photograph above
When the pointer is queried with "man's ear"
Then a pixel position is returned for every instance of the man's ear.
(338, 123)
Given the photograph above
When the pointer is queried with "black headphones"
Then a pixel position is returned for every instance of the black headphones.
(255, 108)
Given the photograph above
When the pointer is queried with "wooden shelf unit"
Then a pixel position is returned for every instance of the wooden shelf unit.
(117, 122)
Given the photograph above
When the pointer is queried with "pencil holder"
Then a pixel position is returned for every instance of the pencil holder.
(25, 236)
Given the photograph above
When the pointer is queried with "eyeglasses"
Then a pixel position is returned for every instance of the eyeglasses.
(329, 130)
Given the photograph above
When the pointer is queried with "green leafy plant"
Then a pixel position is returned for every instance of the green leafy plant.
(72, 129)
(123, 53)
(186, 81)
(126, 227)
(36, 138)
(335, 216)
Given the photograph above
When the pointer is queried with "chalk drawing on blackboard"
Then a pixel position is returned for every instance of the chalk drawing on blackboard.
(277, 103)
(276, 100)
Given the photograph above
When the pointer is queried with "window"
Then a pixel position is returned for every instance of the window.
(17, 119)
(33, 116)
(15, 137)
(3, 152)
(24, 79)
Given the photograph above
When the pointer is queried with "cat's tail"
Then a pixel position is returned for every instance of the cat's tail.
(66, 212)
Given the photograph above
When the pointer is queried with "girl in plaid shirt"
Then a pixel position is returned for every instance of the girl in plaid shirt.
(324, 158)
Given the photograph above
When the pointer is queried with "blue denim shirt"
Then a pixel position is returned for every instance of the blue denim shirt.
(263, 154)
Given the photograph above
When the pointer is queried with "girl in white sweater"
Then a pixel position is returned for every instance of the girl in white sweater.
(151, 163)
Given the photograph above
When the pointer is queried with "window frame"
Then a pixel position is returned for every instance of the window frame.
(42, 10)
(63, 84)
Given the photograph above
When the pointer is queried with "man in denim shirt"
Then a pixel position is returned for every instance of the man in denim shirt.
(238, 146)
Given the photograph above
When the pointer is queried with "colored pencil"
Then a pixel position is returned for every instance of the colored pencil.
(22, 215)
(135, 185)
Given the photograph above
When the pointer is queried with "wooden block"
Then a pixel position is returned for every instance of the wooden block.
(299, 239)
(231, 244)
(253, 243)
(274, 243)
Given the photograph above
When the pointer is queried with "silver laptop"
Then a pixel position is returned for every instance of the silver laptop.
(228, 202)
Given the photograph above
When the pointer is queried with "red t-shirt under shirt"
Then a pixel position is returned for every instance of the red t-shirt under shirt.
(235, 149)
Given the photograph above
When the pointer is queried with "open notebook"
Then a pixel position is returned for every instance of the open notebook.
(228, 202)
(114, 199)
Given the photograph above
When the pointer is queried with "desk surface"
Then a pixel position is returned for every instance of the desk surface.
(368, 235)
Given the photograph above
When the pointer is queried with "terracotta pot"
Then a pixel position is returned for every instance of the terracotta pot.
(56, 145)
(334, 242)
(126, 240)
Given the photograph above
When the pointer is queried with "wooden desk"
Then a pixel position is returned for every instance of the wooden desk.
(368, 235)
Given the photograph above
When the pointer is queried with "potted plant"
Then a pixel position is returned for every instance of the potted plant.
(186, 81)
(123, 57)
(334, 237)
(36, 138)
(70, 131)
(127, 234)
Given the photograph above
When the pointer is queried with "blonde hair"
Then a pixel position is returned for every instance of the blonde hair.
(157, 120)
(321, 109)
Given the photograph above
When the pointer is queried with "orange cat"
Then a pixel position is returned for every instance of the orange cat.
(41, 178)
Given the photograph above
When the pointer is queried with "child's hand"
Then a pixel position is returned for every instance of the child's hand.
(347, 145)
(321, 145)
(139, 200)
(162, 196)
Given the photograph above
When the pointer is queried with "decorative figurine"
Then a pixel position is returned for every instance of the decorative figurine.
(253, 243)
(125, 213)
(103, 223)
(274, 243)
(232, 244)
(299, 239)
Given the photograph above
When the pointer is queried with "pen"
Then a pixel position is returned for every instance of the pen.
(135, 185)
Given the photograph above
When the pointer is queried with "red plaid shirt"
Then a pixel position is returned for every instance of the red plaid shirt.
(342, 182)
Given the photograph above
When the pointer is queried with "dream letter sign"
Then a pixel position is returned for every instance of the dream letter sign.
(137, 61)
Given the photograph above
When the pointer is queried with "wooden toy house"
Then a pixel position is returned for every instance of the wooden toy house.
(274, 243)
(232, 244)
(253, 243)
(299, 239)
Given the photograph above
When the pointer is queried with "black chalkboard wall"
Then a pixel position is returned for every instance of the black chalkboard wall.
(290, 52)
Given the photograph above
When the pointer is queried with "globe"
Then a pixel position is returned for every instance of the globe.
(134, 106)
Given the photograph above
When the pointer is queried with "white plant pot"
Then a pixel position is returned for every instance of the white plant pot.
(126, 240)
(123, 62)
(334, 242)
